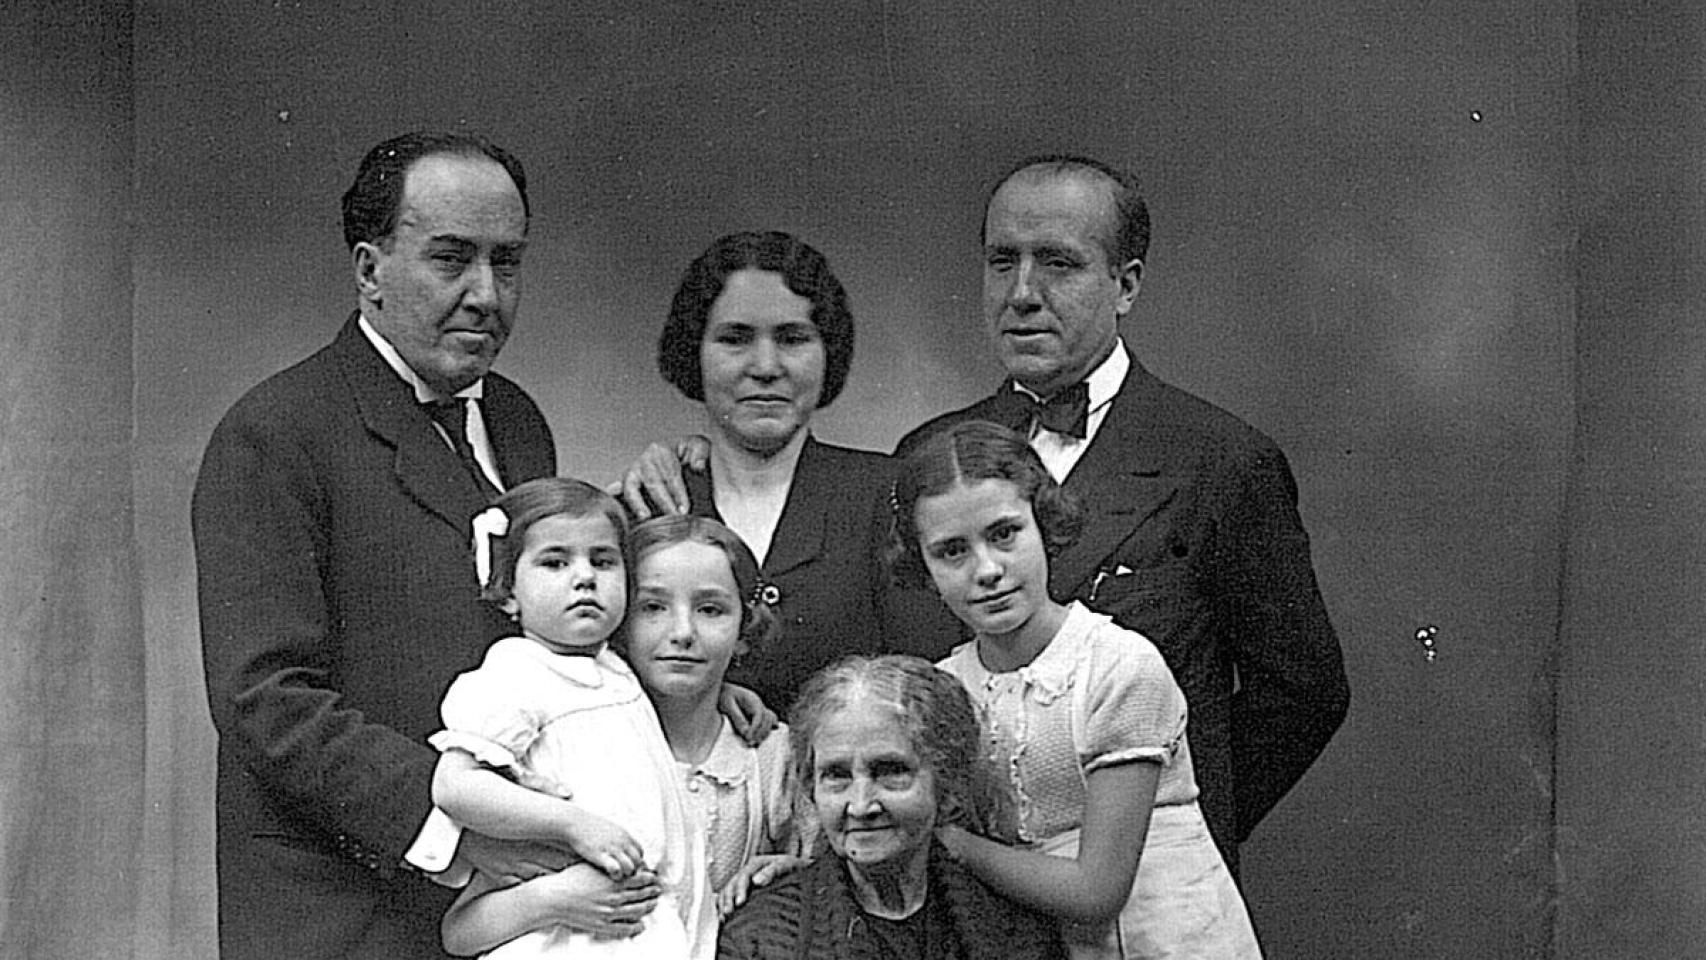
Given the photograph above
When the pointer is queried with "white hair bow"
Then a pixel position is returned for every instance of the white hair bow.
(491, 522)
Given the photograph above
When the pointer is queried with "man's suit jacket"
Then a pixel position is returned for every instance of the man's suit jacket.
(1192, 538)
(826, 559)
(338, 600)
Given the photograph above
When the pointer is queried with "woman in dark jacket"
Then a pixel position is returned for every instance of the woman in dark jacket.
(760, 333)
(886, 749)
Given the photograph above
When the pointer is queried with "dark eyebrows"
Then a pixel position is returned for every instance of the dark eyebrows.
(460, 242)
(891, 763)
(1059, 250)
(943, 543)
(568, 550)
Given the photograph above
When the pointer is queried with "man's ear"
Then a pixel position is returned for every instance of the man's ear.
(365, 258)
(1130, 278)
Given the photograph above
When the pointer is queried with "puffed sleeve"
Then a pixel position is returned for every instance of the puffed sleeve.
(1133, 709)
(490, 714)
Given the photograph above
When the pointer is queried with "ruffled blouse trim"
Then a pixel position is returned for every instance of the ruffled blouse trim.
(728, 762)
(1161, 754)
(482, 750)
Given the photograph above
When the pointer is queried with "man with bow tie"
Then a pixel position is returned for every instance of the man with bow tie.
(1192, 535)
(334, 568)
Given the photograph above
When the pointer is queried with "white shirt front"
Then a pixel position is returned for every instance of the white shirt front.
(1061, 452)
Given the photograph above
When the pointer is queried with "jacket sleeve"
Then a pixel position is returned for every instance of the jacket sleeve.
(260, 517)
(1292, 691)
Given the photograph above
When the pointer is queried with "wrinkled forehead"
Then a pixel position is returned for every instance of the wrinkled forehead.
(859, 707)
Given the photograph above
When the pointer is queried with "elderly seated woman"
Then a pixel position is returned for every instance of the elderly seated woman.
(887, 749)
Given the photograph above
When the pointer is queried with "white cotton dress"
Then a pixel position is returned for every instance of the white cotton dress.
(1100, 695)
(581, 728)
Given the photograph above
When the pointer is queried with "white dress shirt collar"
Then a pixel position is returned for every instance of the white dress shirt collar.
(394, 360)
(1059, 452)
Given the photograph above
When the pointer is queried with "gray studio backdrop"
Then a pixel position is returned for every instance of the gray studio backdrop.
(1368, 242)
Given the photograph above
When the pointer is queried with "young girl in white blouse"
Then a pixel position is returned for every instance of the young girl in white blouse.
(697, 604)
(1083, 716)
(552, 738)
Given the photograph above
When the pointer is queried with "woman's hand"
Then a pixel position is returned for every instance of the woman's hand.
(757, 872)
(654, 480)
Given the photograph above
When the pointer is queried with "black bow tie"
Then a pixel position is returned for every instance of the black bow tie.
(1067, 412)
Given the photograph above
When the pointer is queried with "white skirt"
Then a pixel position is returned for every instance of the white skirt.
(1183, 904)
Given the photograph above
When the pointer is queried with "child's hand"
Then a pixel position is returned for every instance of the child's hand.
(758, 872)
(751, 719)
(605, 845)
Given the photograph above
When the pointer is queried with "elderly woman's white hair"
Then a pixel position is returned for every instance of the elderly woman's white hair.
(937, 717)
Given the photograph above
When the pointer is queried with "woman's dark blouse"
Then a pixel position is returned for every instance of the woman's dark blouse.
(826, 561)
(813, 915)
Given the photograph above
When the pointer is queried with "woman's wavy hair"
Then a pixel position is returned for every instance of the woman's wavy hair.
(758, 623)
(806, 273)
(935, 714)
(966, 453)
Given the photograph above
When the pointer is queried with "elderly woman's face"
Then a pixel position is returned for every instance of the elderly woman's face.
(762, 361)
(874, 797)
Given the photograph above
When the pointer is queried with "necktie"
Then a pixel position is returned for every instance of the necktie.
(1067, 412)
(452, 415)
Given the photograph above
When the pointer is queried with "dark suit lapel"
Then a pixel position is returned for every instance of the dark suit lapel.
(799, 530)
(1120, 482)
(425, 466)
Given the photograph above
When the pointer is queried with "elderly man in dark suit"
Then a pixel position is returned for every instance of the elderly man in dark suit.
(1192, 536)
(337, 592)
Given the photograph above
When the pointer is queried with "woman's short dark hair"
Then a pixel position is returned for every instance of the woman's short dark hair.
(758, 624)
(373, 201)
(936, 716)
(527, 504)
(966, 453)
(806, 273)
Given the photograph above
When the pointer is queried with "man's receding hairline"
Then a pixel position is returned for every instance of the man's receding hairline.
(1045, 171)
(406, 207)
